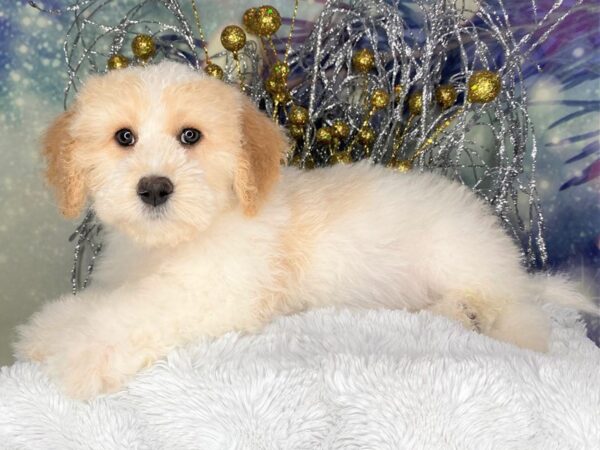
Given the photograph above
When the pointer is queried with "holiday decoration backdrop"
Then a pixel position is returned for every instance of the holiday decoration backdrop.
(35, 257)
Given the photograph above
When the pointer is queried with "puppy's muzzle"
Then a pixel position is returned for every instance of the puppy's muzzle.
(154, 191)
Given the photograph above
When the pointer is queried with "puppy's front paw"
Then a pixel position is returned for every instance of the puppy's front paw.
(31, 344)
(82, 368)
(85, 369)
(40, 337)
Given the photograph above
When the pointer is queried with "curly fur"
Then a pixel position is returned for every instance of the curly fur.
(241, 240)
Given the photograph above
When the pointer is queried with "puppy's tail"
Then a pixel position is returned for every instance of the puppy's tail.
(559, 290)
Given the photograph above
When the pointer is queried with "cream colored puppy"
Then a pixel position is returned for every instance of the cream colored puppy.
(208, 234)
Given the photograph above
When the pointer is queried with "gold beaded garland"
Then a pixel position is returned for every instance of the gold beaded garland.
(143, 47)
(249, 20)
(267, 21)
(233, 38)
(324, 135)
(415, 103)
(366, 135)
(117, 61)
(214, 70)
(298, 115)
(483, 86)
(446, 95)
(280, 70)
(363, 60)
(340, 129)
(379, 99)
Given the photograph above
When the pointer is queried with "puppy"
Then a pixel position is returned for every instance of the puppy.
(207, 233)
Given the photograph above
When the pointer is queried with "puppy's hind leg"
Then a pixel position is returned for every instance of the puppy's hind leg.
(469, 308)
(521, 323)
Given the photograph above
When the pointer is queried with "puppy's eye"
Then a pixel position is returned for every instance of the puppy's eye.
(189, 136)
(125, 137)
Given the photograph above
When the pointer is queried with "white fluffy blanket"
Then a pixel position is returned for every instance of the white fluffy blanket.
(330, 380)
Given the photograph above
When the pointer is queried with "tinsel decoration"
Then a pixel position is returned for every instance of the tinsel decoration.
(87, 247)
(368, 82)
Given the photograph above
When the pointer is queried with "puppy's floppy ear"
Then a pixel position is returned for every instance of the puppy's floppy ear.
(263, 147)
(68, 182)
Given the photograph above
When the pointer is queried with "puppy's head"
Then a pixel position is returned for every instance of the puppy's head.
(162, 151)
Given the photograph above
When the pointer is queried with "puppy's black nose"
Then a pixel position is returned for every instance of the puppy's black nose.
(154, 190)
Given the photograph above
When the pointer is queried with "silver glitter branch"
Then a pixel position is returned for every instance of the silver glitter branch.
(437, 43)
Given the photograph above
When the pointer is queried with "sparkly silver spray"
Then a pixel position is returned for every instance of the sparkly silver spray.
(448, 46)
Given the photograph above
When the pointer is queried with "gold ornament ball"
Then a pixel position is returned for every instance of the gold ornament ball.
(402, 165)
(483, 86)
(379, 99)
(233, 38)
(324, 135)
(274, 85)
(143, 47)
(280, 70)
(296, 161)
(415, 103)
(117, 61)
(214, 70)
(268, 21)
(296, 131)
(366, 135)
(309, 163)
(298, 115)
(340, 129)
(249, 19)
(446, 95)
(280, 97)
(341, 158)
(363, 60)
